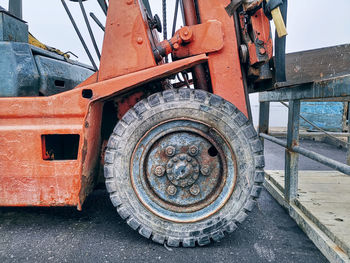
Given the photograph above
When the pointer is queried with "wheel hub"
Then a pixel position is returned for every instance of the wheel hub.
(180, 170)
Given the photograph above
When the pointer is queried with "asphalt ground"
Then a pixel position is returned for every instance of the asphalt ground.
(98, 234)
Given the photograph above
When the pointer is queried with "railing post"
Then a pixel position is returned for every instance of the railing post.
(264, 118)
(291, 158)
(15, 8)
(348, 153)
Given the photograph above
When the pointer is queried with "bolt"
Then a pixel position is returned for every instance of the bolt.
(205, 170)
(170, 164)
(262, 51)
(139, 40)
(195, 190)
(189, 159)
(182, 157)
(171, 190)
(176, 46)
(170, 177)
(129, 2)
(190, 182)
(193, 150)
(175, 159)
(170, 151)
(159, 171)
(186, 33)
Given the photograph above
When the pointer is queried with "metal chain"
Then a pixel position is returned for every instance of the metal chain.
(165, 26)
(175, 17)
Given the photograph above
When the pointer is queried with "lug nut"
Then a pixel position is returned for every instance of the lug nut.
(195, 190)
(190, 182)
(205, 170)
(159, 171)
(171, 190)
(170, 151)
(170, 177)
(193, 150)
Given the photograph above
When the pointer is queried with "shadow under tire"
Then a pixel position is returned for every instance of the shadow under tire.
(184, 167)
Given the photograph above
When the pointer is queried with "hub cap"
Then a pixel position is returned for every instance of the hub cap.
(183, 170)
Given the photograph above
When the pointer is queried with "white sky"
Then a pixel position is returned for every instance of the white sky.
(311, 24)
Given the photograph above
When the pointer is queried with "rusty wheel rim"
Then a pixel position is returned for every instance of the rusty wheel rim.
(183, 170)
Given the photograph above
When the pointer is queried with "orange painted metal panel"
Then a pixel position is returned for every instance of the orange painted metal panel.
(28, 180)
(205, 38)
(126, 46)
(224, 65)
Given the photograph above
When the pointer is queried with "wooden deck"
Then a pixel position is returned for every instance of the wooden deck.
(322, 209)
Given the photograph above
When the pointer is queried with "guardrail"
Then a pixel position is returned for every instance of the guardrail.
(335, 89)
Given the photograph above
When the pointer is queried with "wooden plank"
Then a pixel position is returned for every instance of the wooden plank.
(327, 217)
(317, 64)
(312, 66)
(324, 198)
(326, 245)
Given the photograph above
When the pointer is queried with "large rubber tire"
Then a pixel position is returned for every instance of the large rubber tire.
(208, 110)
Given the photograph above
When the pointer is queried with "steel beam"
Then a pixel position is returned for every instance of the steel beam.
(264, 118)
(15, 8)
(341, 167)
(326, 89)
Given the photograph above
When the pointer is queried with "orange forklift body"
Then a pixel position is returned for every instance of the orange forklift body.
(31, 176)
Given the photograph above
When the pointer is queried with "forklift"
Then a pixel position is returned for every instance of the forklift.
(167, 121)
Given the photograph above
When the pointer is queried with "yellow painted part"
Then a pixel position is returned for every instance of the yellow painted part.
(33, 41)
(279, 22)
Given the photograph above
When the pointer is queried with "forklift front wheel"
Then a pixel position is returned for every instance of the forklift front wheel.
(184, 167)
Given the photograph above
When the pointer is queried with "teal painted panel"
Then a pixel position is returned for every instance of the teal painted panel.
(12, 29)
(326, 115)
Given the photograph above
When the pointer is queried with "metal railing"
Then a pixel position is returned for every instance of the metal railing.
(336, 89)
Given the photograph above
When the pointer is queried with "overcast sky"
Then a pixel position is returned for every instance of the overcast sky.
(311, 23)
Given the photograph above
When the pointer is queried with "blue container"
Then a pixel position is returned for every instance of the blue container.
(326, 115)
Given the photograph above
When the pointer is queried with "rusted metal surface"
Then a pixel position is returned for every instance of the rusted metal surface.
(264, 119)
(127, 62)
(318, 65)
(26, 178)
(256, 36)
(225, 66)
(126, 46)
(291, 157)
(183, 170)
(192, 40)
